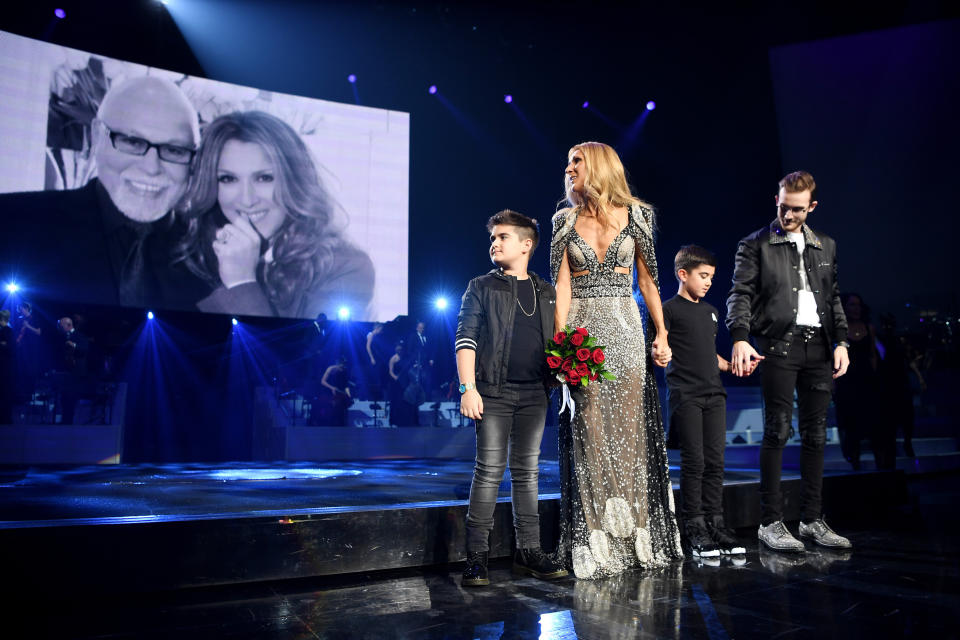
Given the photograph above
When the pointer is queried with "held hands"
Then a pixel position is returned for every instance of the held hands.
(237, 246)
(660, 351)
(744, 359)
(841, 361)
(471, 404)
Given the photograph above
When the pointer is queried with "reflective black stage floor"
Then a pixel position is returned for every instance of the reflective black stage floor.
(900, 581)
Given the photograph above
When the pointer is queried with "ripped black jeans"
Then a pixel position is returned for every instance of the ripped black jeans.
(808, 369)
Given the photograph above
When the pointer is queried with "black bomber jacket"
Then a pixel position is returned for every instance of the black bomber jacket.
(764, 297)
(486, 319)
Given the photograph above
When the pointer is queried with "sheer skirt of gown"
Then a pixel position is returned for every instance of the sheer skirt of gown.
(617, 509)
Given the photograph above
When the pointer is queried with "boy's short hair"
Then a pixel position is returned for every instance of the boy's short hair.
(690, 256)
(798, 182)
(528, 227)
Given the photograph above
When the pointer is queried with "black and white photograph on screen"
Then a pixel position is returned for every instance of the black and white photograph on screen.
(130, 185)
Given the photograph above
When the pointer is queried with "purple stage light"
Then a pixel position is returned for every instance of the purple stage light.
(60, 13)
(352, 78)
(651, 105)
(508, 98)
(432, 90)
(585, 104)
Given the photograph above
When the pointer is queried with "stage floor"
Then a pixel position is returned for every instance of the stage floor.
(901, 581)
(197, 491)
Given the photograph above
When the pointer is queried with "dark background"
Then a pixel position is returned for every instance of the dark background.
(863, 97)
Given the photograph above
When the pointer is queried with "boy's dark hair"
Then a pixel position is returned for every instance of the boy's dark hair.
(798, 182)
(690, 256)
(528, 227)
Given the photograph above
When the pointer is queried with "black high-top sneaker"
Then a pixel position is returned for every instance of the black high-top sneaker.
(534, 562)
(698, 540)
(724, 537)
(475, 575)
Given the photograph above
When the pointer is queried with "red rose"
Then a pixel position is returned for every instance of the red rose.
(582, 331)
(560, 337)
(573, 378)
(583, 355)
(554, 361)
(582, 369)
(576, 339)
(599, 356)
(567, 364)
(594, 376)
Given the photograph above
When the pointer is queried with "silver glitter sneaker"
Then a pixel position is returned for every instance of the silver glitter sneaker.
(776, 537)
(821, 534)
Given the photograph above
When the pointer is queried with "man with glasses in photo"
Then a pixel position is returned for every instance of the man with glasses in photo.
(112, 241)
(785, 295)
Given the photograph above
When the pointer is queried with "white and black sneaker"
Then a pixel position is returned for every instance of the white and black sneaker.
(724, 538)
(698, 540)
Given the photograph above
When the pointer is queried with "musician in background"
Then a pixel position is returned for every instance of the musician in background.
(7, 357)
(28, 351)
(72, 363)
(336, 380)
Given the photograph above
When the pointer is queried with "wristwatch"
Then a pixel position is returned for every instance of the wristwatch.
(467, 387)
(842, 343)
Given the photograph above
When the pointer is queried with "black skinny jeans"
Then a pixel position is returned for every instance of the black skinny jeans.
(511, 428)
(701, 423)
(808, 369)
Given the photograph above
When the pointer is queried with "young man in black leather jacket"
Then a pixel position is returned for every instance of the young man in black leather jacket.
(506, 317)
(785, 294)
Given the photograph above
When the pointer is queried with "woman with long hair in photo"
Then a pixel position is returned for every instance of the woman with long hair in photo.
(617, 510)
(262, 229)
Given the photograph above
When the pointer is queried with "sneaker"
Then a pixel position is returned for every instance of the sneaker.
(821, 534)
(475, 575)
(776, 537)
(725, 538)
(536, 563)
(698, 540)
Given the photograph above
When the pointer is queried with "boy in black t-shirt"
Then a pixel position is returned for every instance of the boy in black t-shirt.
(698, 406)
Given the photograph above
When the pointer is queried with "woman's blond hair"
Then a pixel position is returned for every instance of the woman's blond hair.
(605, 184)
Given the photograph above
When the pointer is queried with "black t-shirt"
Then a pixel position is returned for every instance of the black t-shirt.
(692, 334)
(526, 348)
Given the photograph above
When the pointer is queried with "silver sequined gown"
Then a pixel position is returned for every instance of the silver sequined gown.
(617, 509)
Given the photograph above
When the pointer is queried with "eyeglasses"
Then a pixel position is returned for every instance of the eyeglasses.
(794, 210)
(139, 147)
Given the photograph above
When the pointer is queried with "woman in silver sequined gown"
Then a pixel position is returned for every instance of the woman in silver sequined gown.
(617, 509)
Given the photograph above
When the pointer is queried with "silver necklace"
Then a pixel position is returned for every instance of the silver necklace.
(524, 311)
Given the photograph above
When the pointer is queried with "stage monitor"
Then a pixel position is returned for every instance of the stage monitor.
(128, 185)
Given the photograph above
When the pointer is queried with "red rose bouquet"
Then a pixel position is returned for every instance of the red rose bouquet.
(575, 358)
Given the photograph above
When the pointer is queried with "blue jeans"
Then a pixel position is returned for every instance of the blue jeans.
(511, 429)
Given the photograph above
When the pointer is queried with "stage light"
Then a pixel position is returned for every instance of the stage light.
(585, 104)
(60, 13)
(651, 105)
(440, 303)
(343, 313)
(352, 78)
(12, 287)
(149, 315)
(508, 98)
(432, 90)
(233, 321)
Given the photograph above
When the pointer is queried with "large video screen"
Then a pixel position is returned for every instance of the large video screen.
(128, 185)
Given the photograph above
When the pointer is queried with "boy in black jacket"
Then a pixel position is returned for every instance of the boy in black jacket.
(506, 317)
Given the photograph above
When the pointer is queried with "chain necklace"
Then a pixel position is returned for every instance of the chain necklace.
(524, 311)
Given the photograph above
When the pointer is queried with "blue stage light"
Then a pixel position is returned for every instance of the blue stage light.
(12, 287)
(60, 13)
(585, 104)
(149, 315)
(508, 98)
(352, 78)
(651, 105)
(343, 313)
(432, 90)
(440, 303)
(233, 321)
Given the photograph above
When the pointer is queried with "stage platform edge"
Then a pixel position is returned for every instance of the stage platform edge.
(145, 554)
